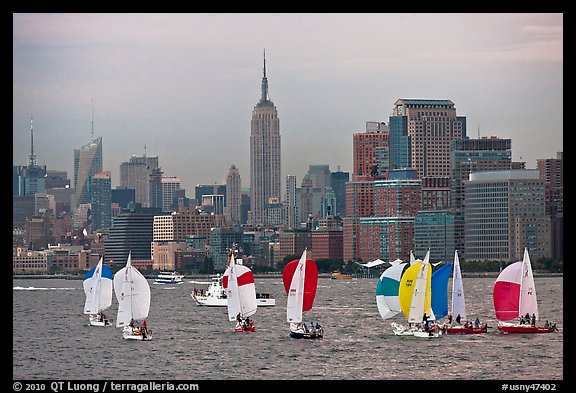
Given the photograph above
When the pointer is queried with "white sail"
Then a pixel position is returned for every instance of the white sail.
(458, 303)
(133, 294)
(528, 301)
(240, 290)
(419, 296)
(231, 290)
(296, 293)
(98, 289)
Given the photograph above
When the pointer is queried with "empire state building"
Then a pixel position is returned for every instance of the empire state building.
(265, 172)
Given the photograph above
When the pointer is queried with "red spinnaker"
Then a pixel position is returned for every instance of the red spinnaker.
(310, 281)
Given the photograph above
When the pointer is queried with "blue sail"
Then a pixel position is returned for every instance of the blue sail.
(440, 278)
(106, 273)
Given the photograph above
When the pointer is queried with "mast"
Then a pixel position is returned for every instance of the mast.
(32, 156)
(92, 122)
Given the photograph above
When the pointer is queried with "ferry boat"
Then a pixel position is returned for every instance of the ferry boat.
(340, 276)
(215, 296)
(169, 278)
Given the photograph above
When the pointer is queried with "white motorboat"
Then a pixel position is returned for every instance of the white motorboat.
(169, 278)
(214, 295)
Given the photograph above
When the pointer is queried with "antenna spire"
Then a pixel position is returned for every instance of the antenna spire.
(264, 63)
(32, 157)
(92, 122)
(264, 97)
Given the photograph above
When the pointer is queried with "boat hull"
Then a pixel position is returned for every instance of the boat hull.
(400, 330)
(99, 323)
(306, 335)
(464, 330)
(245, 329)
(129, 334)
(517, 328)
(297, 331)
(95, 321)
(159, 281)
(212, 301)
(424, 334)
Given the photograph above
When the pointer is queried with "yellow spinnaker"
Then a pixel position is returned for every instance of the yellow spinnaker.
(406, 290)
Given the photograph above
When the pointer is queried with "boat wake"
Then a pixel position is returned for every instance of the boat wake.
(38, 289)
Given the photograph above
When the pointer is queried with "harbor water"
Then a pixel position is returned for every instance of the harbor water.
(52, 339)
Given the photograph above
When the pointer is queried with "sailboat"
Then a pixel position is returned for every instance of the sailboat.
(300, 278)
(457, 302)
(514, 295)
(415, 293)
(98, 289)
(238, 283)
(133, 294)
(387, 290)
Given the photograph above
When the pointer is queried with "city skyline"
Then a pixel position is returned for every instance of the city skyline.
(182, 86)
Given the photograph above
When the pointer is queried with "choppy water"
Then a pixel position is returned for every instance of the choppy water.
(52, 339)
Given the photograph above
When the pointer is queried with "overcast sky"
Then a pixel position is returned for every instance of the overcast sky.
(185, 85)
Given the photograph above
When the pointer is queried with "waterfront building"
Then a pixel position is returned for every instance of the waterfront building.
(184, 223)
(430, 128)
(327, 243)
(552, 172)
(482, 154)
(27, 261)
(164, 256)
(221, 242)
(130, 232)
(265, 154)
(434, 230)
(469, 154)
(369, 150)
(359, 203)
(504, 213)
(293, 242)
(388, 234)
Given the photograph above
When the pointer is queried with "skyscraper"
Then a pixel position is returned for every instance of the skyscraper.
(292, 202)
(87, 162)
(135, 174)
(233, 194)
(31, 179)
(265, 173)
(101, 201)
(428, 127)
(368, 149)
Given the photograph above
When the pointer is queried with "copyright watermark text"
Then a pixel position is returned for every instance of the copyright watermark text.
(528, 387)
(100, 387)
